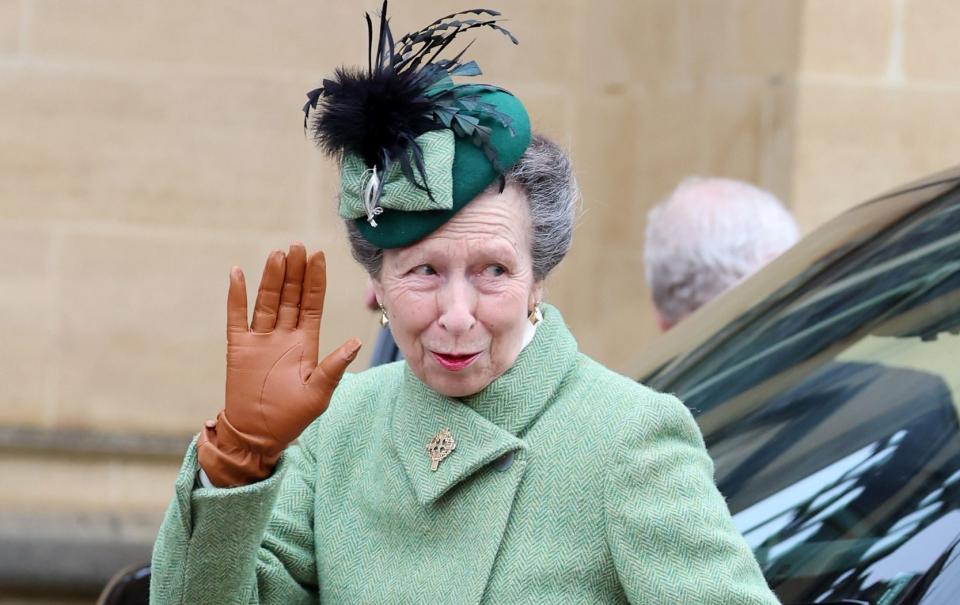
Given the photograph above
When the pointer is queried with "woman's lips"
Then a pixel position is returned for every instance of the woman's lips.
(454, 363)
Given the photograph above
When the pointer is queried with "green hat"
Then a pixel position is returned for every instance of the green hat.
(414, 148)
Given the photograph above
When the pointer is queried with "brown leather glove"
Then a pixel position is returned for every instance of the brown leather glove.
(274, 386)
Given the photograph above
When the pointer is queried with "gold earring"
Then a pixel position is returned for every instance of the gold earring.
(384, 320)
(536, 316)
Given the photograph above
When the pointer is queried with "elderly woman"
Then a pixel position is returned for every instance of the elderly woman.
(496, 464)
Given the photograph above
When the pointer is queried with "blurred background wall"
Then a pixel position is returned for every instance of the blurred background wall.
(146, 147)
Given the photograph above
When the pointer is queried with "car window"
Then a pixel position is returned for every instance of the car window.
(833, 417)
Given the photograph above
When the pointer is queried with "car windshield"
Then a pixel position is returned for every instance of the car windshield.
(832, 416)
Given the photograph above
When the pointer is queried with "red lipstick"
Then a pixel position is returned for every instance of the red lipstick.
(454, 363)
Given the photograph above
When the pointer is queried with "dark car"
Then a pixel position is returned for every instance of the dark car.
(826, 387)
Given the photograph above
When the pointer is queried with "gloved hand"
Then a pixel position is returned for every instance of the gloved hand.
(275, 388)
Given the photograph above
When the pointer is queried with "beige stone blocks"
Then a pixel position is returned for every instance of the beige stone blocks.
(54, 484)
(738, 125)
(601, 292)
(853, 37)
(612, 213)
(9, 26)
(881, 115)
(737, 129)
(856, 142)
(230, 36)
(142, 330)
(204, 152)
(659, 43)
(743, 37)
(544, 29)
(630, 43)
(28, 355)
(930, 41)
(143, 318)
(286, 36)
(550, 111)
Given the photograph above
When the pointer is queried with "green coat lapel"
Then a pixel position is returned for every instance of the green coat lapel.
(420, 415)
(486, 425)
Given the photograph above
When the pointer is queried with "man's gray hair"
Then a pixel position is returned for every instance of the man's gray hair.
(545, 175)
(708, 235)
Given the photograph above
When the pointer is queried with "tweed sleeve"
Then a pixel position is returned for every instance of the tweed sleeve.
(667, 520)
(251, 544)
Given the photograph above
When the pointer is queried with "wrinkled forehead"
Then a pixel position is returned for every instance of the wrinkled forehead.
(492, 223)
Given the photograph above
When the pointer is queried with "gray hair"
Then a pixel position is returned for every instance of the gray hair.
(545, 175)
(708, 235)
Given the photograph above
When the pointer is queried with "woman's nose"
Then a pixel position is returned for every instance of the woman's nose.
(457, 305)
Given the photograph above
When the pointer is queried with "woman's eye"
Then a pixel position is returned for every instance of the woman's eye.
(495, 270)
(424, 270)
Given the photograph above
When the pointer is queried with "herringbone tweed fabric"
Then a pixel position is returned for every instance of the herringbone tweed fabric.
(398, 192)
(609, 498)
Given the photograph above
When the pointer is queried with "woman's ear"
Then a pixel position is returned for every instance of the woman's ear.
(377, 286)
(536, 294)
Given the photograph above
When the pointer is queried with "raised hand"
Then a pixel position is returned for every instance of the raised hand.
(275, 388)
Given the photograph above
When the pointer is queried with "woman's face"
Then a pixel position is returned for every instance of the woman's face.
(458, 299)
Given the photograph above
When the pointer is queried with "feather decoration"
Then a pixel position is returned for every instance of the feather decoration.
(406, 91)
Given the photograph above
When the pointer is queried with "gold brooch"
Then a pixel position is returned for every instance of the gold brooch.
(440, 447)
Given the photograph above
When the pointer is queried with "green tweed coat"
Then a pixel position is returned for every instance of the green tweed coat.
(569, 484)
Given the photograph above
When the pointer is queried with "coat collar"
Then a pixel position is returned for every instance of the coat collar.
(486, 425)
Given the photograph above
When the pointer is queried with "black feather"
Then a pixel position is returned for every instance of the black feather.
(406, 91)
(371, 116)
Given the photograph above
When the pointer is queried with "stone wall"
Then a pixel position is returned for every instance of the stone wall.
(878, 93)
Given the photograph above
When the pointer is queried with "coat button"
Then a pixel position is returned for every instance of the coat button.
(503, 462)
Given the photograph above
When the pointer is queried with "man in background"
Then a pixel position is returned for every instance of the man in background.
(708, 235)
